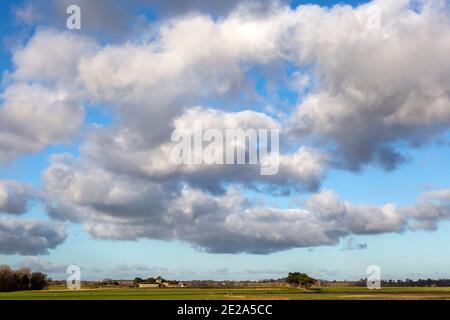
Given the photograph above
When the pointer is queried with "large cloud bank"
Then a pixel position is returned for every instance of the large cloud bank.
(369, 92)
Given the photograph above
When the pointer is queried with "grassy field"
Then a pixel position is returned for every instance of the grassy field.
(257, 293)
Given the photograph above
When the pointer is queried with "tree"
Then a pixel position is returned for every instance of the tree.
(6, 279)
(138, 280)
(22, 279)
(300, 280)
(150, 280)
(38, 281)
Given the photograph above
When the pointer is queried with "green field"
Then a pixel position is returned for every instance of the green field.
(257, 293)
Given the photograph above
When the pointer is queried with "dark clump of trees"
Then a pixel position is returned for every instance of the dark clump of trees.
(21, 279)
(138, 280)
(302, 280)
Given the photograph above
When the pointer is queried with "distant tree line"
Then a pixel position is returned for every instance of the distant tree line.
(21, 279)
(409, 283)
(109, 282)
(153, 280)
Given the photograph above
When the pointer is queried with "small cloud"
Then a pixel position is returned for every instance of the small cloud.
(220, 271)
(26, 14)
(352, 244)
(136, 267)
(37, 264)
(328, 273)
(272, 272)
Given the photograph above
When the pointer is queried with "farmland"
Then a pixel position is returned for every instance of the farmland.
(252, 293)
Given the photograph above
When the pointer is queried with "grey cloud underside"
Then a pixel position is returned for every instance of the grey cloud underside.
(365, 99)
(118, 19)
(15, 197)
(111, 17)
(24, 236)
(29, 237)
(228, 223)
(130, 156)
(216, 9)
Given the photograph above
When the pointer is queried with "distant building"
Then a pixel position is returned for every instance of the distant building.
(148, 285)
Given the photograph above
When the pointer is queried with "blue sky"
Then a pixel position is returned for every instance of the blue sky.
(401, 252)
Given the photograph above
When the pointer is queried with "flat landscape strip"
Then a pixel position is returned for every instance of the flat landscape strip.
(256, 293)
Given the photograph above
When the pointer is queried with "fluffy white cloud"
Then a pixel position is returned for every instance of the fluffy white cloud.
(129, 154)
(234, 225)
(365, 98)
(52, 57)
(431, 208)
(76, 191)
(357, 219)
(149, 83)
(33, 116)
(355, 104)
(118, 207)
(43, 103)
(377, 88)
